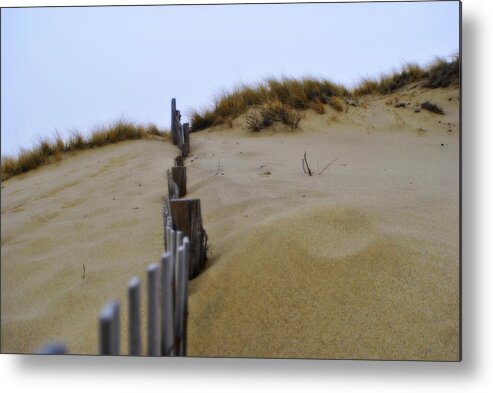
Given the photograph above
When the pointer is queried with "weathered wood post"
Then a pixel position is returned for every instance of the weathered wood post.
(177, 182)
(109, 329)
(173, 191)
(153, 328)
(174, 119)
(185, 149)
(134, 341)
(179, 161)
(167, 332)
(186, 217)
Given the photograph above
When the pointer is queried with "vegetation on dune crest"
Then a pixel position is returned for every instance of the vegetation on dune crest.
(292, 93)
(270, 113)
(314, 93)
(441, 73)
(274, 100)
(48, 150)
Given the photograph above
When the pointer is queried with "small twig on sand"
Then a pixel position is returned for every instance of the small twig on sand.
(218, 168)
(304, 163)
(84, 273)
(329, 164)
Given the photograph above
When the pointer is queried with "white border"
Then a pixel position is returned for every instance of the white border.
(473, 374)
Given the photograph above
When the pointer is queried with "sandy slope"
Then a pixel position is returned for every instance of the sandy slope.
(360, 262)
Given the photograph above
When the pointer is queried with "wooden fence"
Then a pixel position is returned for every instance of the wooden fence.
(185, 243)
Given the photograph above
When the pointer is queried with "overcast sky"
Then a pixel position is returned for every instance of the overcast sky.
(75, 68)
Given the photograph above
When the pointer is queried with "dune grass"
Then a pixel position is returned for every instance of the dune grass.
(337, 103)
(440, 73)
(314, 93)
(293, 93)
(49, 150)
(271, 112)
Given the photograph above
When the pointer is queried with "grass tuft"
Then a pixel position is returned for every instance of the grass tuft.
(439, 74)
(271, 112)
(337, 103)
(432, 108)
(443, 73)
(318, 106)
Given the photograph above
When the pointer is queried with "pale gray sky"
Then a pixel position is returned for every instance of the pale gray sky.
(75, 68)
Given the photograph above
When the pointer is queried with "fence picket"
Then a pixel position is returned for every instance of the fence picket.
(153, 322)
(186, 274)
(167, 333)
(109, 329)
(134, 340)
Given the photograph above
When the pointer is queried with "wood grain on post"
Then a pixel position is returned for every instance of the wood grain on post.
(179, 177)
(183, 346)
(134, 341)
(179, 161)
(173, 191)
(187, 217)
(109, 329)
(180, 298)
(173, 121)
(167, 332)
(185, 150)
(181, 137)
(153, 327)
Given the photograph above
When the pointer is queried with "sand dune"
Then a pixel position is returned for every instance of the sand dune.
(359, 262)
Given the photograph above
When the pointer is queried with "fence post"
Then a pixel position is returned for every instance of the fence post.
(179, 161)
(153, 329)
(186, 140)
(134, 341)
(173, 121)
(109, 329)
(173, 191)
(187, 217)
(167, 333)
(179, 177)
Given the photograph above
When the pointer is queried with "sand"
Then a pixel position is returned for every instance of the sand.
(359, 262)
